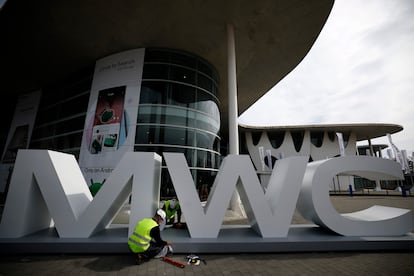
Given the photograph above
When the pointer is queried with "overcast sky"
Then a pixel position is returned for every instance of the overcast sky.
(360, 70)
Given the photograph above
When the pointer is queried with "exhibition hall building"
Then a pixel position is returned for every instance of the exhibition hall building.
(98, 79)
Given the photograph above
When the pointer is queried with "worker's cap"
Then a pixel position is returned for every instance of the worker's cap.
(161, 213)
(173, 203)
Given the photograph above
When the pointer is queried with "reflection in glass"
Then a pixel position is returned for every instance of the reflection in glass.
(179, 111)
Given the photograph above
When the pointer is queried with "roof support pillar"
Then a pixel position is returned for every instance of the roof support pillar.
(235, 202)
(373, 153)
(232, 92)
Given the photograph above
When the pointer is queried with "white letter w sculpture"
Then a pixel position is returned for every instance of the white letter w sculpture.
(269, 214)
(47, 184)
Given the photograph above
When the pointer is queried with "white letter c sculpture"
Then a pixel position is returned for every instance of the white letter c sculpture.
(315, 205)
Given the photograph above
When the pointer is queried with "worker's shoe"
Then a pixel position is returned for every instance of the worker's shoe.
(169, 251)
(141, 259)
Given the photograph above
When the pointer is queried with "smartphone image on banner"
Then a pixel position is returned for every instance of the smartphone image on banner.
(107, 121)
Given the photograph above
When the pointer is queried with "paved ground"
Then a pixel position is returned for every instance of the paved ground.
(329, 263)
(315, 264)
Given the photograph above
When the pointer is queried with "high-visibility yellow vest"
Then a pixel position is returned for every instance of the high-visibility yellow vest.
(140, 239)
(171, 212)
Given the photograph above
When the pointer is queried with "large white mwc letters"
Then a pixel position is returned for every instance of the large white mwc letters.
(47, 184)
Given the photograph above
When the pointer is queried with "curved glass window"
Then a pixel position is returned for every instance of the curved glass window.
(183, 59)
(178, 136)
(61, 143)
(208, 71)
(204, 82)
(180, 66)
(61, 115)
(182, 95)
(170, 115)
(176, 116)
(48, 114)
(205, 140)
(179, 109)
(208, 123)
(206, 102)
(182, 74)
(155, 71)
(147, 134)
(203, 184)
(154, 93)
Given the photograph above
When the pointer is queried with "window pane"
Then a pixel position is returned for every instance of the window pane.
(207, 123)
(207, 104)
(153, 92)
(182, 75)
(202, 67)
(176, 136)
(141, 135)
(175, 116)
(205, 140)
(151, 114)
(73, 124)
(47, 115)
(204, 82)
(182, 59)
(201, 158)
(68, 141)
(182, 95)
(74, 106)
(42, 132)
(155, 71)
(156, 149)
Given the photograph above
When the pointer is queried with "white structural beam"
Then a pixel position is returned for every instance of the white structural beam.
(232, 92)
(235, 203)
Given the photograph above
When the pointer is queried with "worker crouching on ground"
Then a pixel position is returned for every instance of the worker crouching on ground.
(172, 207)
(146, 239)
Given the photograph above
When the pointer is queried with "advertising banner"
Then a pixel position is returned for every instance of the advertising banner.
(110, 122)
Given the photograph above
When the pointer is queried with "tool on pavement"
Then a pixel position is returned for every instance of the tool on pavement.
(194, 260)
(173, 262)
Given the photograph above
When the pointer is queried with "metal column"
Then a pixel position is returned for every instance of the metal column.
(235, 203)
(232, 92)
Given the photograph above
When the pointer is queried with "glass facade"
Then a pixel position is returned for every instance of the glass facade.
(61, 116)
(179, 112)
